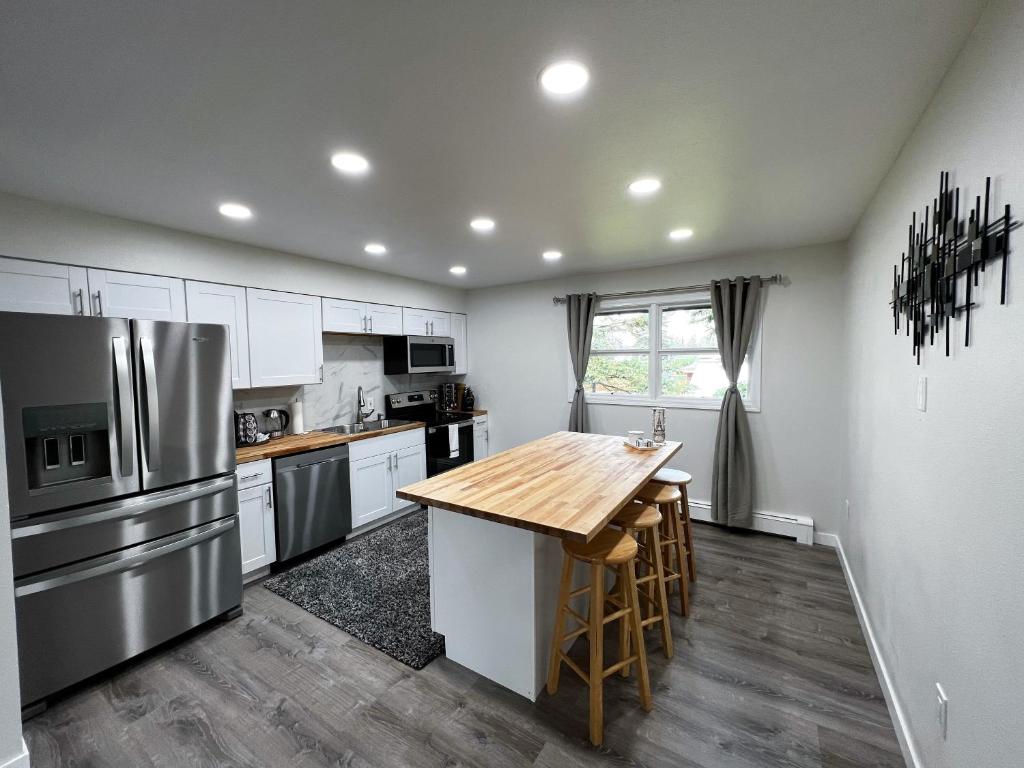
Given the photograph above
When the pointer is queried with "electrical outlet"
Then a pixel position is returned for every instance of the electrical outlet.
(941, 710)
(922, 393)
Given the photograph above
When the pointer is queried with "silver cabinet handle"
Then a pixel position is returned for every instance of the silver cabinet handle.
(152, 405)
(389, 462)
(124, 563)
(270, 499)
(249, 477)
(321, 373)
(364, 323)
(99, 303)
(78, 300)
(371, 323)
(126, 443)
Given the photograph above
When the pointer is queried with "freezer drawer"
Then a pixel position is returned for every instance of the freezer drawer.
(82, 619)
(49, 541)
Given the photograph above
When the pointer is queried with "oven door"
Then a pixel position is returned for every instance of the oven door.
(440, 457)
(431, 354)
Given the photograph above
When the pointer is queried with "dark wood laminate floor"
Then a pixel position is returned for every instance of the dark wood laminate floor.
(770, 670)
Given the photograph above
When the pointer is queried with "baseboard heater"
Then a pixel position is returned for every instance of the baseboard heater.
(797, 527)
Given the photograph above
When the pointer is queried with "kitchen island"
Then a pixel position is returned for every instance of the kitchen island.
(495, 555)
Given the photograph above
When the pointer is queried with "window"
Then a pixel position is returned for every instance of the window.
(663, 353)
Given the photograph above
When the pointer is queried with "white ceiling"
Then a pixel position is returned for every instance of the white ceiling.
(769, 122)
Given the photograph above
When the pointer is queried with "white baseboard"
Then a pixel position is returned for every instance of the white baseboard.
(796, 527)
(903, 736)
(20, 760)
(826, 540)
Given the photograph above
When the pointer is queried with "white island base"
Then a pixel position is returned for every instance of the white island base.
(493, 590)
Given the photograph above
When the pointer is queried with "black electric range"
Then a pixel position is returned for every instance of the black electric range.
(449, 433)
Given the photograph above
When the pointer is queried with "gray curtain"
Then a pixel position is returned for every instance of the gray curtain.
(734, 305)
(580, 311)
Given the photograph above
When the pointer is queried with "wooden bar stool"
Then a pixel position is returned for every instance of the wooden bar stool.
(609, 549)
(642, 521)
(667, 499)
(680, 479)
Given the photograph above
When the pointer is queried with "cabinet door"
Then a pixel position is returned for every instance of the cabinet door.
(372, 490)
(138, 297)
(341, 316)
(286, 344)
(385, 320)
(223, 305)
(440, 324)
(459, 333)
(53, 289)
(408, 466)
(415, 322)
(256, 527)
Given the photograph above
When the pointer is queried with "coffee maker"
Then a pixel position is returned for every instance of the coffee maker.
(446, 397)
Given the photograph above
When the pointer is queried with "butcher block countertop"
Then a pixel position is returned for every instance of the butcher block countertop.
(310, 441)
(566, 484)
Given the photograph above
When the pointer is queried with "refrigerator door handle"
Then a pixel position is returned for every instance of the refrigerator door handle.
(124, 510)
(126, 445)
(124, 561)
(152, 405)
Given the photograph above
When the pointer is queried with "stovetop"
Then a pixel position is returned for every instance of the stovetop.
(421, 406)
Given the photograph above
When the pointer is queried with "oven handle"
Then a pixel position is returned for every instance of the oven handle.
(459, 424)
(126, 562)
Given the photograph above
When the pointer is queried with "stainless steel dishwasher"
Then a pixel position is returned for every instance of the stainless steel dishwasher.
(313, 502)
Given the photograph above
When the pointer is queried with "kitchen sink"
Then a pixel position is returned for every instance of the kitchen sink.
(366, 426)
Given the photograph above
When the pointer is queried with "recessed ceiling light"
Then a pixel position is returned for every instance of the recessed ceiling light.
(564, 78)
(235, 211)
(482, 224)
(551, 255)
(457, 270)
(375, 249)
(684, 233)
(644, 187)
(350, 163)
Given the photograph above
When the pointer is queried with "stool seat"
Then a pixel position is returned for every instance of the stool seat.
(609, 546)
(656, 493)
(668, 476)
(637, 516)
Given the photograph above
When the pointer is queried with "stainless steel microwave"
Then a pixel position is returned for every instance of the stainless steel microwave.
(419, 354)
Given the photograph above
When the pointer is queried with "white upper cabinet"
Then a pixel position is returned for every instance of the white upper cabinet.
(459, 333)
(385, 320)
(138, 297)
(32, 286)
(342, 316)
(223, 305)
(426, 322)
(285, 338)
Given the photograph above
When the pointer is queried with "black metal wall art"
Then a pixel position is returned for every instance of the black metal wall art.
(941, 247)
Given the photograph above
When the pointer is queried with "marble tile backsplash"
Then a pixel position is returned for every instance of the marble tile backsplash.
(349, 362)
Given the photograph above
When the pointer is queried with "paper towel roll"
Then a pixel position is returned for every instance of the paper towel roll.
(298, 427)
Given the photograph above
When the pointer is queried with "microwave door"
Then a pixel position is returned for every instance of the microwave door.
(430, 354)
(68, 410)
(183, 384)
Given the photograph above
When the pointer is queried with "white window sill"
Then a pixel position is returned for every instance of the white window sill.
(696, 404)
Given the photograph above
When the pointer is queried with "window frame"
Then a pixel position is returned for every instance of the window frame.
(655, 305)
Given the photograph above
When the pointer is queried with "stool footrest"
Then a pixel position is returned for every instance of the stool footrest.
(620, 664)
(617, 615)
(574, 667)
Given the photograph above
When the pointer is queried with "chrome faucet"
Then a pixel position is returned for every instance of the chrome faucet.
(360, 405)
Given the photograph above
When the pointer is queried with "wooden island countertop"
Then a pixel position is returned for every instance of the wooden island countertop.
(566, 484)
(310, 441)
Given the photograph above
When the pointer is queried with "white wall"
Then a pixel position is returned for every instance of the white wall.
(519, 357)
(935, 537)
(30, 229)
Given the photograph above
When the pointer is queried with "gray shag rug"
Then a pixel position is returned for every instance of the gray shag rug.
(376, 588)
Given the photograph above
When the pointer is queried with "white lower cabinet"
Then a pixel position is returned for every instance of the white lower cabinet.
(256, 515)
(380, 466)
(481, 438)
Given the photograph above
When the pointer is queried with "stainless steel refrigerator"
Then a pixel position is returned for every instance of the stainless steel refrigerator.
(120, 469)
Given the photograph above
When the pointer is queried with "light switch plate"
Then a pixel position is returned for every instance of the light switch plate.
(922, 393)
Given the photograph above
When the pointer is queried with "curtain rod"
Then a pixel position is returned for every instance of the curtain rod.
(771, 280)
